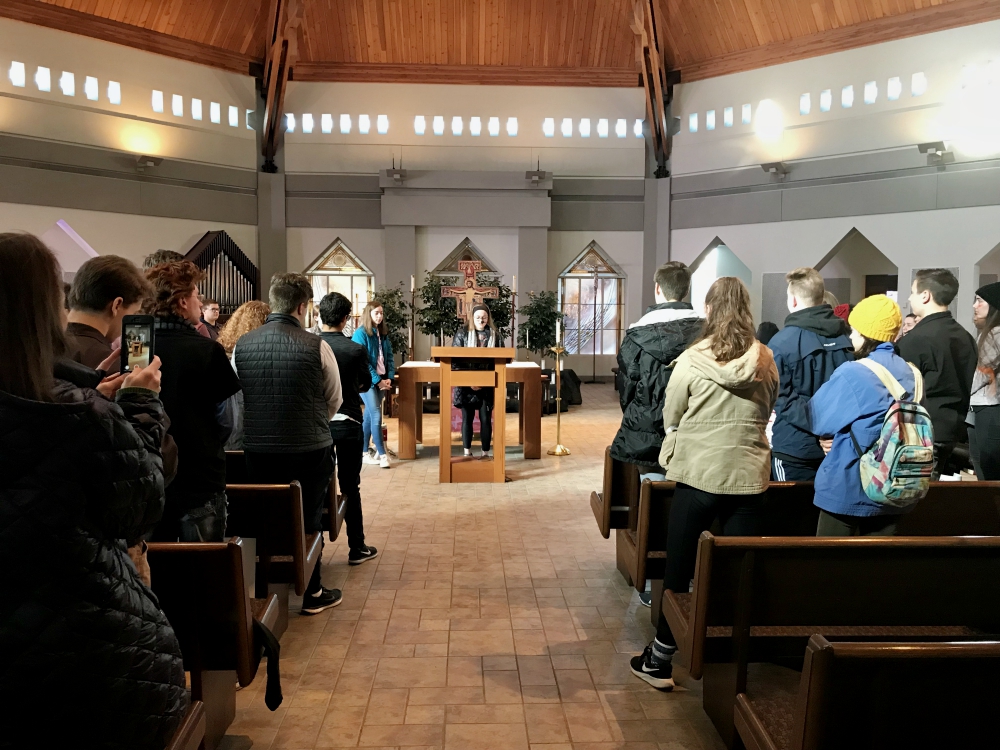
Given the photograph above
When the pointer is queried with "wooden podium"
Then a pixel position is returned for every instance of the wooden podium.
(460, 468)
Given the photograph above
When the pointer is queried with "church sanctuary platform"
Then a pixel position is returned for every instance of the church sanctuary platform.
(494, 618)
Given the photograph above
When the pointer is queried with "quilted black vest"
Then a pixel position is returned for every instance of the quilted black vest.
(281, 371)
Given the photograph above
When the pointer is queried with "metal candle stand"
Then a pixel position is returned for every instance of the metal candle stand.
(560, 449)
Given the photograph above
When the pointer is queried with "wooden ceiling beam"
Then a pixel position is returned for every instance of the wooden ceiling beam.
(888, 28)
(483, 75)
(85, 24)
(284, 28)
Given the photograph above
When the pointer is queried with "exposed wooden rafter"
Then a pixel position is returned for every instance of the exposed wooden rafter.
(284, 25)
(479, 75)
(86, 24)
(657, 79)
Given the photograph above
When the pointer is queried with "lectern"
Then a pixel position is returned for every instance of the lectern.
(452, 358)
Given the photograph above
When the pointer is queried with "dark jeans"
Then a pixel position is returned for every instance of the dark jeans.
(485, 425)
(313, 470)
(984, 443)
(835, 524)
(347, 449)
(193, 517)
(692, 512)
(942, 454)
(786, 470)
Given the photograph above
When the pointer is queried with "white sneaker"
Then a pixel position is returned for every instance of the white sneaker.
(372, 460)
(486, 454)
(468, 453)
(383, 461)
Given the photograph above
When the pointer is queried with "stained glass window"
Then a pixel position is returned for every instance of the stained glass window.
(337, 269)
(591, 295)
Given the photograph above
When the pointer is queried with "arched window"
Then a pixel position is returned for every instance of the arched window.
(466, 250)
(337, 269)
(592, 294)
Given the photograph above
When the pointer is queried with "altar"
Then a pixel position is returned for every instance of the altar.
(413, 377)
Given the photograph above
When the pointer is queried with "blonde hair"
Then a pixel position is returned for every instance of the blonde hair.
(807, 285)
(248, 317)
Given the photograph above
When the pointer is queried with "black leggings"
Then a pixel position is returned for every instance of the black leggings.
(984, 443)
(692, 511)
(485, 425)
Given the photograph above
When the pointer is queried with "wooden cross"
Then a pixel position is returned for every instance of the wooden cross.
(469, 295)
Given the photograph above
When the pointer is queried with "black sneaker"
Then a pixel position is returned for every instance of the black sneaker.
(363, 555)
(313, 604)
(646, 599)
(659, 676)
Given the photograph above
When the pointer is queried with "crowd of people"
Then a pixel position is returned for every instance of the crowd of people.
(846, 387)
(96, 462)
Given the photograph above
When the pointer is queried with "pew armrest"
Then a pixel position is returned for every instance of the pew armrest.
(750, 727)
(676, 609)
(265, 611)
(191, 732)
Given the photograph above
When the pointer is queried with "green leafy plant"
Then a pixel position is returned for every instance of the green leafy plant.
(438, 315)
(538, 332)
(397, 313)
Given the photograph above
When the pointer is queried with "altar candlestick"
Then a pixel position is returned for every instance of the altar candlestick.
(515, 284)
(413, 283)
(557, 331)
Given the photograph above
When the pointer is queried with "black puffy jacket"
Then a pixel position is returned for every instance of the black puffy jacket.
(650, 346)
(464, 396)
(86, 656)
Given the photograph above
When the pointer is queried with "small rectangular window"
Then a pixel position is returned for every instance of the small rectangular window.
(512, 126)
(289, 122)
(847, 97)
(438, 125)
(805, 104)
(893, 89)
(158, 101)
(67, 84)
(585, 128)
(364, 124)
(918, 84)
(871, 92)
(345, 124)
(307, 123)
(602, 128)
(825, 100)
(456, 125)
(91, 89)
(637, 129)
(727, 117)
(493, 126)
(710, 120)
(548, 127)
(43, 79)
(382, 124)
(215, 112)
(475, 126)
(693, 122)
(177, 105)
(747, 110)
(16, 74)
(234, 116)
(114, 92)
(419, 124)
(196, 109)
(566, 127)
(250, 120)
(326, 123)
(621, 128)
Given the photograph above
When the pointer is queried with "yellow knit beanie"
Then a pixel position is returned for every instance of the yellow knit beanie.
(877, 318)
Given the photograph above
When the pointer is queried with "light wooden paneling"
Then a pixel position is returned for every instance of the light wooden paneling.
(526, 42)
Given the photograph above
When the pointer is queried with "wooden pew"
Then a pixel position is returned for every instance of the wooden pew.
(271, 514)
(202, 591)
(889, 696)
(191, 733)
(615, 505)
(950, 509)
(333, 511)
(760, 598)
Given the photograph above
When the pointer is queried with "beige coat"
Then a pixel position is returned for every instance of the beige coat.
(715, 416)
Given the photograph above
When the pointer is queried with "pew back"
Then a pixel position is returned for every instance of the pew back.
(882, 695)
(616, 505)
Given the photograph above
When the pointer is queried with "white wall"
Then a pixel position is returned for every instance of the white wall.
(929, 239)
(128, 235)
(936, 115)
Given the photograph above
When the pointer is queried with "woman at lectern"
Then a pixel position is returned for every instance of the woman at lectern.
(473, 399)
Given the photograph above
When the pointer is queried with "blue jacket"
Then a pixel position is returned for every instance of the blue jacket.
(813, 343)
(371, 344)
(854, 399)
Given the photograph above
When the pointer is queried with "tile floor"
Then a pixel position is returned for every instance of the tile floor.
(493, 618)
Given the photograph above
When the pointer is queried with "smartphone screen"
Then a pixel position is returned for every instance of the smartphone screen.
(137, 342)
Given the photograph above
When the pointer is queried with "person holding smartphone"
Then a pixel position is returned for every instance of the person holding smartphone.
(80, 474)
(197, 384)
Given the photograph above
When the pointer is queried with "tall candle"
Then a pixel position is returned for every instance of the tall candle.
(515, 284)
(557, 332)
(527, 338)
(409, 335)
(413, 283)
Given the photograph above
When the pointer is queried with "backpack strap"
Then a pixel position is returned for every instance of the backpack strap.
(895, 389)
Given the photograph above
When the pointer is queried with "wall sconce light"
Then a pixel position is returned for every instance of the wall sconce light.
(397, 175)
(142, 162)
(535, 177)
(777, 168)
(937, 153)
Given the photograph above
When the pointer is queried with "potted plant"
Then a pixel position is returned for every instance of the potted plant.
(397, 318)
(538, 332)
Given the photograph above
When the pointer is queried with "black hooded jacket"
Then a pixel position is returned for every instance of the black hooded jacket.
(813, 343)
(88, 658)
(644, 360)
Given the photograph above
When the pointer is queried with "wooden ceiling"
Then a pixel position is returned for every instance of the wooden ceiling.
(541, 42)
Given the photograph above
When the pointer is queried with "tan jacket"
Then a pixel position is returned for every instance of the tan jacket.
(715, 416)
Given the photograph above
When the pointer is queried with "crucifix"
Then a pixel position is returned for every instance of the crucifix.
(468, 295)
